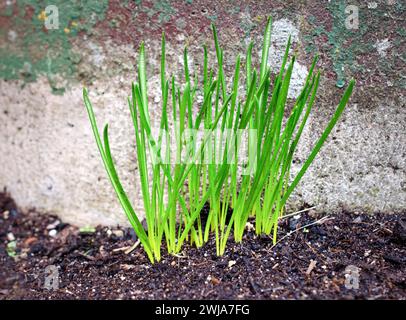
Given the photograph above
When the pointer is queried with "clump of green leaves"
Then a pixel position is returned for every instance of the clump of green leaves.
(174, 194)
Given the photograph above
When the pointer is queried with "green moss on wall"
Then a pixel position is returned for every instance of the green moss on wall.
(30, 49)
(355, 50)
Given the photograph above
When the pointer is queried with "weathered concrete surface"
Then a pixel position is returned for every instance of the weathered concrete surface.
(49, 159)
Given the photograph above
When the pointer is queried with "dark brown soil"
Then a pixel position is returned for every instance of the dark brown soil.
(91, 267)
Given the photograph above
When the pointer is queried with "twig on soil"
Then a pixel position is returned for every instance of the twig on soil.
(121, 249)
(311, 266)
(383, 227)
(128, 249)
(320, 221)
(296, 213)
(69, 292)
(135, 245)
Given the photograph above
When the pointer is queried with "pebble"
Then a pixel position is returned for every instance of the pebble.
(118, 233)
(357, 220)
(249, 226)
(53, 225)
(52, 233)
(6, 214)
(10, 237)
(231, 263)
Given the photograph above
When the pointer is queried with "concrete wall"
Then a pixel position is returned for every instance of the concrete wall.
(48, 156)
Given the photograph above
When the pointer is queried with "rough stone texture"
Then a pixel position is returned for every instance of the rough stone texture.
(49, 159)
(363, 167)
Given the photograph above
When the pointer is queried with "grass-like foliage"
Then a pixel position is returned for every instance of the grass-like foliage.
(175, 193)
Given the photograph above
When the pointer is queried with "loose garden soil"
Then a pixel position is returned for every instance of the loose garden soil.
(311, 263)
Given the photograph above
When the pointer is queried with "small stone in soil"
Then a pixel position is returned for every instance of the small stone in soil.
(118, 233)
(249, 226)
(231, 263)
(10, 236)
(52, 233)
(357, 220)
(53, 225)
